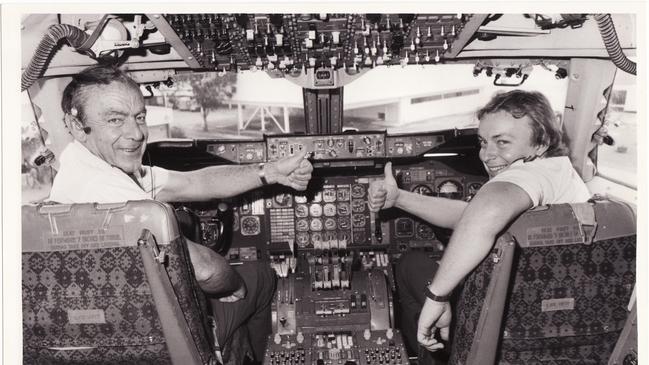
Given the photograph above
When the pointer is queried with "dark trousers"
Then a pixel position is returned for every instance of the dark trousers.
(254, 311)
(413, 272)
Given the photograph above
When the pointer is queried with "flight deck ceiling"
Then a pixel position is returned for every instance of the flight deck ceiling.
(314, 50)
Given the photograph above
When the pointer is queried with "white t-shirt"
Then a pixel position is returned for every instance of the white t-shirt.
(86, 178)
(550, 180)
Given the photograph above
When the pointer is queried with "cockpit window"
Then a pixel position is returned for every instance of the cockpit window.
(429, 98)
(244, 105)
(415, 98)
(617, 156)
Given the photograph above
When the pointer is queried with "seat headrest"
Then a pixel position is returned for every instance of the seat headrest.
(63, 227)
(566, 224)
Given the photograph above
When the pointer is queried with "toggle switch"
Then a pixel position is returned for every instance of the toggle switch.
(336, 37)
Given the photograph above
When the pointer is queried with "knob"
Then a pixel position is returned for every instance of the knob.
(367, 334)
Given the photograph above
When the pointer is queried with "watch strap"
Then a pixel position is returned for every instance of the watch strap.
(436, 298)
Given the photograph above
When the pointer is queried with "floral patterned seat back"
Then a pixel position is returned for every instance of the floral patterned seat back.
(555, 290)
(86, 295)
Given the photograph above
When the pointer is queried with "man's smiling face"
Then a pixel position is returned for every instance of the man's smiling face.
(116, 116)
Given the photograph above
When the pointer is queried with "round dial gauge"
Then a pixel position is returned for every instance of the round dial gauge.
(359, 237)
(358, 205)
(316, 224)
(316, 237)
(302, 225)
(250, 226)
(343, 222)
(473, 188)
(358, 220)
(329, 210)
(343, 209)
(423, 190)
(315, 210)
(301, 211)
(342, 194)
(358, 191)
(330, 224)
(449, 189)
(424, 231)
(302, 239)
(329, 195)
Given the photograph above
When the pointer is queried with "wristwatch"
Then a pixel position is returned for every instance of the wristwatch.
(436, 298)
(261, 174)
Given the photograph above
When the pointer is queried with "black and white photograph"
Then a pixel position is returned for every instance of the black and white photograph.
(431, 183)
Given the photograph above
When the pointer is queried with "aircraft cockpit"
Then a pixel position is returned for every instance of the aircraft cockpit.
(352, 92)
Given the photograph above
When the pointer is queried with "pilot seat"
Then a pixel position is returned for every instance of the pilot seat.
(557, 288)
(112, 283)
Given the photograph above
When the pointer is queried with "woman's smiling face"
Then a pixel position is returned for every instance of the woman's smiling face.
(505, 139)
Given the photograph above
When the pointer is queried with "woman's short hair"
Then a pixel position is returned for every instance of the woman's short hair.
(75, 95)
(546, 130)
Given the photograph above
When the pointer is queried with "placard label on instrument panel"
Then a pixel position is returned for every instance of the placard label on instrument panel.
(323, 77)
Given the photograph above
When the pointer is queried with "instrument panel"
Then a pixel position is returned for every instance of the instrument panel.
(331, 150)
(333, 257)
(333, 213)
(346, 347)
(349, 146)
(430, 179)
(335, 216)
(292, 42)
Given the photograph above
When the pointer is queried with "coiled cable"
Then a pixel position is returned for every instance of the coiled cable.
(612, 43)
(55, 33)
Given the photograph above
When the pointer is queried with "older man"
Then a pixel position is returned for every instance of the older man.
(105, 113)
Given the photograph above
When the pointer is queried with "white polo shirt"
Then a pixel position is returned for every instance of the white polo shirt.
(86, 178)
(550, 180)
